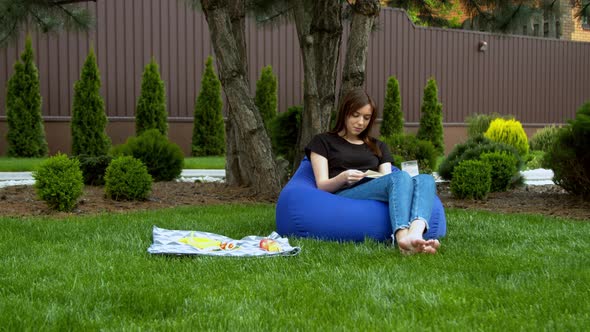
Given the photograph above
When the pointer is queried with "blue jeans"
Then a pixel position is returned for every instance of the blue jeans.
(409, 198)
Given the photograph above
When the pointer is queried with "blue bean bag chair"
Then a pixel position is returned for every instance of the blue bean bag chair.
(305, 211)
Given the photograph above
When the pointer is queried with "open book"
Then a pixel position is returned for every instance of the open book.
(373, 174)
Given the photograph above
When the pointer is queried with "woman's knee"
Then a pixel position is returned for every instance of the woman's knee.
(425, 181)
(400, 180)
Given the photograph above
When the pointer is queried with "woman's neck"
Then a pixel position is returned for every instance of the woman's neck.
(354, 139)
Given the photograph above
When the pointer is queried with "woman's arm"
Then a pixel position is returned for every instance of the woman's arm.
(323, 182)
(385, 168)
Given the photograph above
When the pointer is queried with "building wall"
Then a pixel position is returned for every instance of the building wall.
(572, 28)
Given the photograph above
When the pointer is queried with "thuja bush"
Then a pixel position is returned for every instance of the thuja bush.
(127, 178)
(151, 107)
(431, 128)
(266, 98)
(88, 116)
(569, 156)
(208, 129)
(509, 132)
(473, 148)
(94, 168)
(393, 117)
(471, 179)
(478, 124)
(409, 147)
(544, 138)
(503, 168)
(58, 181)
(283, 133)
(163, 159)
(26, 135)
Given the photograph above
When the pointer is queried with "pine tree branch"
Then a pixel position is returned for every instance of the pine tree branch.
(42, 24)
(70, 14)
(8, 33)
(504, 25)
(67, 2)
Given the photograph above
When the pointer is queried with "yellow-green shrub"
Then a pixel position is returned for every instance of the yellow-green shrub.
(509, 132)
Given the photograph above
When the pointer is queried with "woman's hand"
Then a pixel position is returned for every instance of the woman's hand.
(352, 176)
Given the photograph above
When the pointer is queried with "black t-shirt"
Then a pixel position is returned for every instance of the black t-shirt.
(343, 155)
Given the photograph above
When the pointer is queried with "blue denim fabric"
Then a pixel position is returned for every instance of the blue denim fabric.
(409, 198)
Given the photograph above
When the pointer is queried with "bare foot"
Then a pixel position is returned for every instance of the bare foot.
(411, 241)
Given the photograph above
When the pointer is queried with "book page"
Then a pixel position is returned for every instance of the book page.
(373, 174)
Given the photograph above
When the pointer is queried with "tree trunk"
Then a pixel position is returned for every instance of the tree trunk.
(319, 28)
(251, 146)
(364, 13)
(234, 175)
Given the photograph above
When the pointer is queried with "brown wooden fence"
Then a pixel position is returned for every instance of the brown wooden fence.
(540, 81)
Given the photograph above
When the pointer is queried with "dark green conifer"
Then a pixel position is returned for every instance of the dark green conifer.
(208, 128)
(431, 128)
(26, 134)
(393, 118)
(266, 96)
(88, 116)
(151, 107)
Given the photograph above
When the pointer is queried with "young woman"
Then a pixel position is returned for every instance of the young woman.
(341, 157)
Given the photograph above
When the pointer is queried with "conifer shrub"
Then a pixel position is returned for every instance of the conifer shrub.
(164, 159)
(284, 129)
(26, 134)
(535, 159)
(393, 117)
(471, 179)
(473, 148)
(503, 169)
(509, 132)
(58, 181)
(151, 107)
(94, 168)
(127, 178)
(478, 124)
(266, 98)
(544, 138)
(569, 156)
(208, 128)
(88, 116)
(431, 128)
(409, 147)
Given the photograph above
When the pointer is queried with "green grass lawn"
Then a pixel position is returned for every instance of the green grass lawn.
(494, 272)
(8, 164)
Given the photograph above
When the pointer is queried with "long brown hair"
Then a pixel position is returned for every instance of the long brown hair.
(354, 100)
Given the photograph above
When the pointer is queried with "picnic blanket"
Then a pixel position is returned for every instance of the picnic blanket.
(180, 242)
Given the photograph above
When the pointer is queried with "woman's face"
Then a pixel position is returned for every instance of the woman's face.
(358, 120)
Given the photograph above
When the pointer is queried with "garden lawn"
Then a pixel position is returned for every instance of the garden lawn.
(494, 272)
(9, 164)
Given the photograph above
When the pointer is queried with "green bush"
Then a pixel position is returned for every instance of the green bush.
(535, 159)
(94, 168)
(26, 134)
(208, 128)
(478, 124)
(393, 117)
(163, 159)
(266, 98)
(88, 116)
(544, 138)
(503, 169)
(409, 147)
(473, 148)
(284, 130)
(471, 179)
(58, 181)
(431, 128)
(127, 178)
(569, 156)
(151, 107)
(509, 132)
